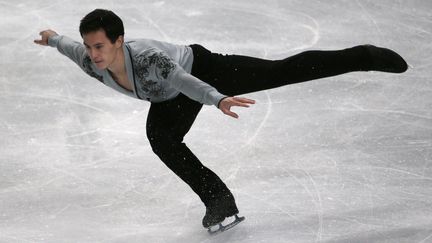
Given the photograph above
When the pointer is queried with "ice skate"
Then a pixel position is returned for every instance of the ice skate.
(386, 60)
(221, 227)
(217, 211)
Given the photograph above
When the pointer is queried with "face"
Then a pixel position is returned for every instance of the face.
(102, 52)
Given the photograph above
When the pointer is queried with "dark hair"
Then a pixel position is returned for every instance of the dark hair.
(102, 19)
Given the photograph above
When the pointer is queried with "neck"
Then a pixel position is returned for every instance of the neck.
(118, 66)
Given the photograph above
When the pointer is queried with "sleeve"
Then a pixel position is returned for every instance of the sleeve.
(68, 47)
(195, 88)
(177, 78)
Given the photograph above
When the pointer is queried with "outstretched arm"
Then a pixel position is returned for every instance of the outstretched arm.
(202, 92)
(68, 47)
(65, 45)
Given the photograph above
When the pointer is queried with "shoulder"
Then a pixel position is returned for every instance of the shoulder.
(147, 41)
(143, 45)
(144, 52)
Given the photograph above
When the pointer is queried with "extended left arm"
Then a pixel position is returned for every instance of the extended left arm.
(204, 93)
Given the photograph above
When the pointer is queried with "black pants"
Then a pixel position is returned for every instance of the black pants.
(169, 121)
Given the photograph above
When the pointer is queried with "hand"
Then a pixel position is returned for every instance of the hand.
(226, 104)
(44, 37)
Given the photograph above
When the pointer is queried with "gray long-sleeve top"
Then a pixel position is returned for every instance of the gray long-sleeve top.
(158, 71)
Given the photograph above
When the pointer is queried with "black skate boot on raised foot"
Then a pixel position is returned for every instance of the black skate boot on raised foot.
(217, 211)
(385, 60)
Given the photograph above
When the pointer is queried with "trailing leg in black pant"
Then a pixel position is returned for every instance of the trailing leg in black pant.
(236, 75)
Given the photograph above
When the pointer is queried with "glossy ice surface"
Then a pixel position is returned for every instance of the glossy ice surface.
(342, 159)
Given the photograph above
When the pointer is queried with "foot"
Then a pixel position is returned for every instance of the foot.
(385, 60)
(221, 228)
(219, 209)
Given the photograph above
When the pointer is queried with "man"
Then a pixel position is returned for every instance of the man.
(178, 79)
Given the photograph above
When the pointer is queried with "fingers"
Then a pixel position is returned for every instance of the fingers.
(230, 113)
(41, 42)
(229, 102)
(45, 34)
(244, 100)
(240, 104)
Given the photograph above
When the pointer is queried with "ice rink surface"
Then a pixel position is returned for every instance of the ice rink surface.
(342, 159)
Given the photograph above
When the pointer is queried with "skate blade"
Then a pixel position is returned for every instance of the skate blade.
(221, 228)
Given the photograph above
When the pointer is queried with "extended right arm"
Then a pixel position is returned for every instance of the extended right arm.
(75, 50)
(66, 46)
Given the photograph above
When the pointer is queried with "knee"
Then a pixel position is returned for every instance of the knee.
(158, 142)
(163, 143)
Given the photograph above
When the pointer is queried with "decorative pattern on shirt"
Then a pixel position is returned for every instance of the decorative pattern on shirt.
(88, 69)
(154, 61)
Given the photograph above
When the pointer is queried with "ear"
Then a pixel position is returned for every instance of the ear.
(119, 41)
